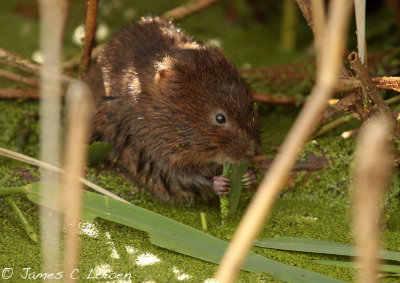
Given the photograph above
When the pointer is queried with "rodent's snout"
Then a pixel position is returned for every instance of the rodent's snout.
(258, 148)
(253, 149)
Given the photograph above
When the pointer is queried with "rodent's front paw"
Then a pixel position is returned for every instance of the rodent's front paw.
(249, 178)
(221, 185)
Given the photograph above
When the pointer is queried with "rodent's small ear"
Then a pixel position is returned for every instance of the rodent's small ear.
(164, 69)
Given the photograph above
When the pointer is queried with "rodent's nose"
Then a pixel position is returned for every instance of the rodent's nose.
(253, 149)
(258, 149)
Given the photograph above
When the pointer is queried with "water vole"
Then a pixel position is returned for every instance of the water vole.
(175, 109)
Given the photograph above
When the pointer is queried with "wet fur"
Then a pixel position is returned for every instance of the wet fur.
(157, 92)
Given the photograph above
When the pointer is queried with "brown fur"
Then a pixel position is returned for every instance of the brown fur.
(157, 93)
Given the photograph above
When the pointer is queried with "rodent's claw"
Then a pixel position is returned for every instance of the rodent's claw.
(249, 178)
(221, 185)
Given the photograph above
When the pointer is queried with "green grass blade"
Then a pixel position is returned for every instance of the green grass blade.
(235, 173)
(4, 180)
(21, 218)
(237, 184)
(175, 236)
(13, 191)
(317, 246)
(382, 267)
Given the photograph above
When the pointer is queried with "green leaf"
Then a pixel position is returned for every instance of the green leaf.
(382, 267)
(317, 246)
(175, 236)
(98, 151)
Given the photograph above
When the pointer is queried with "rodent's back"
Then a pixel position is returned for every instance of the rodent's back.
(130, 56)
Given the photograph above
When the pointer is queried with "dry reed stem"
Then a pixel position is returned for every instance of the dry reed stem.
(373, 93)
(35, 162)
(359, 7)
(74, 162)
(50, 89)
(362, 97)
(303, 127)
(372, 171)
(318, 18)
(187, 9)
(18, 78)
(305, 7)
(90, 32)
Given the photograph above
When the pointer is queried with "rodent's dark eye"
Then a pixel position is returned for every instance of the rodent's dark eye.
(220, 118)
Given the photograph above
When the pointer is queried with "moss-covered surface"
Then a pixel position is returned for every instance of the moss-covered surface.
(314, 205)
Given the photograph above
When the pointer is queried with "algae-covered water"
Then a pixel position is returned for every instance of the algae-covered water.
(313, 205)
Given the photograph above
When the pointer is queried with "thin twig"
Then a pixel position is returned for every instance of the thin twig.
(13, 93)
(18, 78)
(344, 84)
(373, 93)
(74, 62)
(372, 171)
(350, 83)
(187, 9)
(344, 119)
(18, 93)
(333, 125)
(90, 31)
(35, 162)
(270, 99)
(78, 108)
(18, 61)
(311, 163)
(303, 127)
(344, 105)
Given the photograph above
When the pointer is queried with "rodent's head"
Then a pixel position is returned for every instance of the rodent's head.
(208, 105)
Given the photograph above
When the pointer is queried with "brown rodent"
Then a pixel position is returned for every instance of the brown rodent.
(175, 109)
